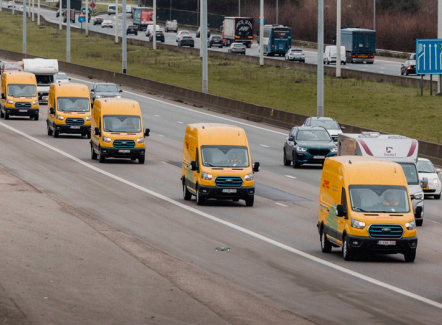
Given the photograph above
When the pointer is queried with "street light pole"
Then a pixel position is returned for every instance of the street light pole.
(60, 13)
(24, 27)
(239, 8)
(87, 18)
(277, 12)
(338, 39)
(374, 14)
(116, 21)
(38, 13)
(261, 31)
(170, 10)
(439, 35)
(154, 38)
(320, 72)
(203, 38)
(68, 31)
(124, 55)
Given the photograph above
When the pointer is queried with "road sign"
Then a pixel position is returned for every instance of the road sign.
(259, 20)
(81, 18)
(429, 56)
(92, 5)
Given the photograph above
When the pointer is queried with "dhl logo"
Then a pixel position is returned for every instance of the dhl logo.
(326, 184)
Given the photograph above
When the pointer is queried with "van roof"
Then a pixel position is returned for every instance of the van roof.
(366, 170)
(218, 133)
(118, 106)
(69, 88)
(20, 77)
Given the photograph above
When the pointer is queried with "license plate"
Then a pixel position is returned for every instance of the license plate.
(124, 151)
(44, 98)
(23, 110)
(75, 127)
(229, 190)
(387, 242)
(363, 56)
(318, 157)
(426, 188)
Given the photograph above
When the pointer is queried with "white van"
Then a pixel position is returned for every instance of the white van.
(128, 9)
(149, 29)
(330, 54)
(111, 9)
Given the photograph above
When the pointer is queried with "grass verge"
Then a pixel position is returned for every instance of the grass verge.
(378, 106)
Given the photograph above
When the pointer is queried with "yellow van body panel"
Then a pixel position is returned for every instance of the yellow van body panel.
(342, 172)
(69, 121)
(117, 107)
(19, 106)
(215, 134)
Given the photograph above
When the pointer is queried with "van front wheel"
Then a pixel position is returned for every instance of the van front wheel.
(49, 130)
(186, 194)
(141, 160)
(250, 201)
(410, 256)
(93, 153)
(199, 199)
(346, 251)
(326, 246)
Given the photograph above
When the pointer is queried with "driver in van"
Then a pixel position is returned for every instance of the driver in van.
(234, 158)
(390, 200)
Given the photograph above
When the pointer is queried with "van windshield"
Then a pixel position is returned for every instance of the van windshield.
(73, 104)
(410, 172)
(44, 80)
(225, 156)
(22, 90)
(379, 198)
(122, 123)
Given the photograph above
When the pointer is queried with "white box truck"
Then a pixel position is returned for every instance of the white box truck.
(44, 70)
(398, 148)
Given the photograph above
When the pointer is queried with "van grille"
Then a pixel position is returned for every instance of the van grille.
(318, 152)
(225, 181)
(22, 105)
(124, 144)
(386, 231)
(74, 121)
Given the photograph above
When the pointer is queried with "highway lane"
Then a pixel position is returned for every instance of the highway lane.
(285, 211)
(384, 65)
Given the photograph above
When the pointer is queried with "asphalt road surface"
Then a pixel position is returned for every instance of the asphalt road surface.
(274, 271)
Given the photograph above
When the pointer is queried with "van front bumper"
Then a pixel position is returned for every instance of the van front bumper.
(22, 111)
(122, 153)
(372, 245)
(227, 192)
(73, 129)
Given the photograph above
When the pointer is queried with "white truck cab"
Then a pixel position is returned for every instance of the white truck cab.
(398, 148)
(45, 71)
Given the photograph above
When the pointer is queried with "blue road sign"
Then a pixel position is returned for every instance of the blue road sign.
(81, 19)
(429, 56)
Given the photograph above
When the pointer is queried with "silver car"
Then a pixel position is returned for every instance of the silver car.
(426, 169)
(295, 55)
(237, 48)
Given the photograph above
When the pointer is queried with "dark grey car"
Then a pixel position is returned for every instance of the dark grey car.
(105, 90)
(186, 40)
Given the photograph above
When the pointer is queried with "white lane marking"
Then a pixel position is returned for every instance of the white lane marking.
(289, 176)
(160, 135)
(233, 226)
(283, 205)
(157, 115)
(195, 111)
(180, 122)
(263, 145)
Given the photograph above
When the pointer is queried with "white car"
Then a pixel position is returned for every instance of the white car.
(426, 169)
(295, 55)
(11, 4)
(107, 23)
(61, 77)
(328, 123)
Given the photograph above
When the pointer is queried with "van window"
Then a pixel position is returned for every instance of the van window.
(410, 172)
(44, 80)
(73, 104)
(22, 90)
(225, 156)
(122, 123)
(379, 198)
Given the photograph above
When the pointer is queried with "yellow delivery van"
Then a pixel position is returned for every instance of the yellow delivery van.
(117, 130)
(19, 95)
(217, 164)
(365, 206)
(69, 109)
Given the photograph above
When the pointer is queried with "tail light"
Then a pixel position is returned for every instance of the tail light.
(353, 56)
(236, 36)
(163, 35)
(273, 46)
(371, 56)
(409, 67)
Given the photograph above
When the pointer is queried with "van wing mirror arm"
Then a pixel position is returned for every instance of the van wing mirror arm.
(146, 132)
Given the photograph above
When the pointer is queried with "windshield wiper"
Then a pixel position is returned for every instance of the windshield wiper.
(210, 165)
(359, 209)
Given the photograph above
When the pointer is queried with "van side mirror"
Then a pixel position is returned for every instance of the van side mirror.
(290, 139)
(340, 210)
(69, 79)
(92, 91)
(256, 167)
(51, 111)
(193, 165)
(146, 132)
(97, 132)
(437, 171)
(121, 90)
(342, 128)
(424, 182)
(3, 96)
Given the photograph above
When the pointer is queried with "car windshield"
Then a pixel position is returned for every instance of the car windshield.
(122, 123)
(22, 90)
(313, 135)
(216, 38)
(110, 88)
(328, 124)
(379, 198)
(61, 76)
(410, 172)
(184, 33)
(73, 104)
(296, 51)
(225, 156)
(424, 166)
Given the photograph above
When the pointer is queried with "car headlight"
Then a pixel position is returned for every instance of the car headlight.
(249, 177)
(301, 149)
(35, 102)
(88, 118)
(118, 96)
(9, 102)
(206, 176)
(410, 225)
(106, 139)
(140, 140)
(417, 196)
(61, 118)
(357, 224)
(334, 150)
(98, 96)
(436, 181)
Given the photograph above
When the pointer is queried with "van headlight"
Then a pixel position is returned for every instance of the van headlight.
(118, 96)
(88, 118)
(417, 196)
(106, 139)
(206, 176)
(35, 102)
(98, 96)
(61, 118)
(140, 140)
(301, 149)
(249, 177)
(9, 102)
(357, 224)
(410, 225)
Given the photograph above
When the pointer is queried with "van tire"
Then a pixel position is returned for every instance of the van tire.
(199, 199)
(295, 163)
(410, 256)
(186, 194)
(250, 201)
(141, 160)
(437, 197)
(49, 129)
(93, 153)
(56, 133)
(88, 135)
(287, 162)
(326, 246)
(101, 158)
(1, 114)
(6, 116)
(419, 222)
(346, 251)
